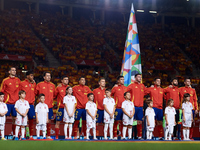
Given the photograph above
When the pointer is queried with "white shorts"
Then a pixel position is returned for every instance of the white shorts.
(68, 119)
(42, 127)
(150, 128)
(2, 127)
(170, 128)
(107, 119)
(188, 121)
(21, 121)
(2, 120)
(91, 124)
(127, 120)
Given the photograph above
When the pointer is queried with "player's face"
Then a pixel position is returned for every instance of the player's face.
(30, 77)
(172, 103)
(151, 104)
(188, 99)
(12, 72)
(47, 77)
(1, 98)
(187, 82)
(42, 99)
(157, 82)
(175, 82)
(102, 83)
(121, 81)
(138, 78)
(82, 81)
(65, 81)
(128, 96)
(70, 91)
(23, 95)
(91, 98)
(108, 93)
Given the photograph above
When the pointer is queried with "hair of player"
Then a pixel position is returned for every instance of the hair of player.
(81, 78)
(11, 68)
(1, 93)
(88, 95)
(126, 93)
(21, 92)
(147, 96)
(186, 78)
(44, 74)
(137, 74)
(119, 77)
(40, 95)
(169, 101)
(29, 72)
(101, 79)
(64, 77)
(108, 89)
(156, 79)
(174, 79)
(185, 96)
(149, 101)
(67, 90)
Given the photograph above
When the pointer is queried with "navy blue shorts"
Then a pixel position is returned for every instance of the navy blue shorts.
(11, 109)
(60, 114)
(80, 113)
(138, 113)
(159, 114)
(50, 114)
(118, 114)
(31, 112)
(100, 116)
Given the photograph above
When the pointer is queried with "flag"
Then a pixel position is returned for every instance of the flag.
(131, 63)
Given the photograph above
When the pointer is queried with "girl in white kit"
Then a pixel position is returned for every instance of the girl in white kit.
(170, 122)
(41, 112)
(70, 104)
(128, 113)
(3, 111)
(22, 107)
(150, 119)
(109, 110)
(187, 116)
(91, 112)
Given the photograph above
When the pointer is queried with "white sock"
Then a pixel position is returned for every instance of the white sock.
(188, 134)
(105, 130)
(38, 131)
(87, 133)
(129, 132)
(94, 133)
(124, 132)
(111, 130)
(2, 133)
(65, 130)
(44, 133)
(16, 131)
(184, 134)
(170, 136)
(166, 132)
(148, 135)
(70, 130)
(22, 131)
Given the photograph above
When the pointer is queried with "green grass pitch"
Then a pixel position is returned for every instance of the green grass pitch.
(97, 145)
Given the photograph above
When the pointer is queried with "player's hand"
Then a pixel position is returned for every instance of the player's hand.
(174, 123)
(170, 86)
(59, 85)
(111, 116)
(184, 119)
(152, 86)
(192, 119)
(94, 117)
(47, 120)
(166, 123)
(148, 124)
(37, 121)
(196, 111)
(1, 114)
(116, 85)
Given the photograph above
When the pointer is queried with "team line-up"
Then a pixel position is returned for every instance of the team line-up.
(121, 105)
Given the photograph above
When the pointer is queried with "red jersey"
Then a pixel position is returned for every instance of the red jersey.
(30, 89)
(173, 93)
(10, 87)
(48, 89)
(81, 92)
(156, 95)
(193, 95)
(137, 93)
(118, 93)
(60, 93)
(99, 95)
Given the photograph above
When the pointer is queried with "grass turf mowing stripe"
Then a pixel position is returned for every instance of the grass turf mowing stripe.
(75, 145)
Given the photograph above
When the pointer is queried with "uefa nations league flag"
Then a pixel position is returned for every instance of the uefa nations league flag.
(131, 63)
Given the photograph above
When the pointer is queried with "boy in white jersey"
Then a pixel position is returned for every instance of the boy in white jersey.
(3, 111)
(41, 112)
(128, 113)
(150, 119)
(21, 107)
(187, 116)
(170, 121)
(91, 112)
(70, 104)
(109, 110)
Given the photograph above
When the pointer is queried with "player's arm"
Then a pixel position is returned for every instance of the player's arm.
(183, 112)
(3, 86)
(36, 116)
(192, 116)
(113, 111)
(133, 112)
(47, 117)
(147, 91)
(67, 110)
(90, 114)
(195, 102)
(147, 118)
(166, 119)
(106, 109)
(18, 111)
(124, 111)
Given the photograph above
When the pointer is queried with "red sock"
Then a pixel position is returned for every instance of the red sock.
(13, 128)
(75, 127)
(57, 132)
(31, 127)
(120, 128)
(48, 129)
(139, 130)
(84, 127)
(115, 128)
(191, 132)
(160, 130)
